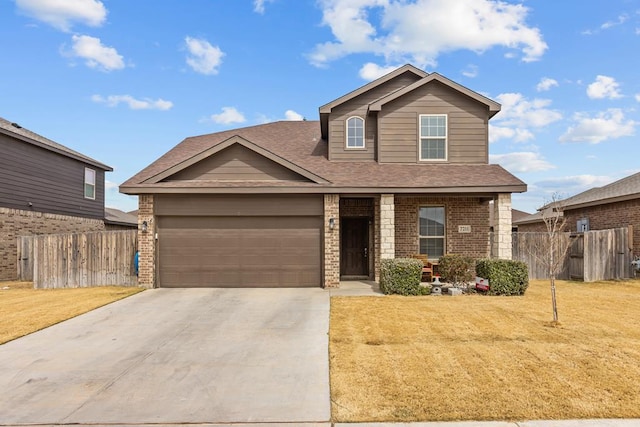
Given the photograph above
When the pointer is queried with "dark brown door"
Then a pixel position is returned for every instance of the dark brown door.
(354, 256)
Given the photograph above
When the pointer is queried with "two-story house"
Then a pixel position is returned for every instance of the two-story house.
(395, 168)
(45, 188)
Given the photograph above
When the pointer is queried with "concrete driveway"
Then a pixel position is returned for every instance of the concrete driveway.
(170, 356)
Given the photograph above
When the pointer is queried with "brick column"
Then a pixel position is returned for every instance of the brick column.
(387, 227)
(146, 242)
(331, 241)
(502, 226)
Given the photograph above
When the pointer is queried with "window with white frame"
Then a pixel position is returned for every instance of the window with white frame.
(432, 231)
(355, 132)
(433, 137)
(89, 183)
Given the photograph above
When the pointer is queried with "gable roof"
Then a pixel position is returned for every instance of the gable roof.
(395, 73)
(118, 217)
(301, 147)
(16, 131)
(235, 139)
(627, 188)
(493, 106)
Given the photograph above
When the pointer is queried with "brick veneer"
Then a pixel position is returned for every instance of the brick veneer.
(458, 211)
(331, 241)
(146, 242)
(16, 222)
(610, 215)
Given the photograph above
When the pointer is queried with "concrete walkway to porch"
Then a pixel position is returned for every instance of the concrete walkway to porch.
(356, 288)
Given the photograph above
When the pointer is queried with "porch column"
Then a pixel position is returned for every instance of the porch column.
(502, 245)
(387, 227)
(146, 242)
(331, 241)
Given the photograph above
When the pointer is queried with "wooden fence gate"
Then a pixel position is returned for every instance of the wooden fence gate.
(592, 256)
(79, 259)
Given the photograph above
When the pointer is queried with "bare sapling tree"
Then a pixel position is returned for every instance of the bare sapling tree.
(552, 250)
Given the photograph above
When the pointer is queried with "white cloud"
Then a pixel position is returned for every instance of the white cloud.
(525, 161)
(637, 97)
(421, 30)
(61, 14)
(621, 20)
(228, 116)
(545, 84)
(499, 132)
(108, 185)
(604, 87)
(258, 5)
(203, 57)
(471, 71)
(133, 103)
(293, 116)
(609, 124)
(519, 111)
(95, 54)
(574, 184)
(371, 71)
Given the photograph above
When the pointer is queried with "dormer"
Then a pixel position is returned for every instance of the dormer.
(409, 116)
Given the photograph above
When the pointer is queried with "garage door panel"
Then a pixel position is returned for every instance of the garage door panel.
(239, 251)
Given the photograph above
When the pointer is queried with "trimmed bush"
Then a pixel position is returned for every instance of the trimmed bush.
(401, 276)
(506, 277)
(457, 269)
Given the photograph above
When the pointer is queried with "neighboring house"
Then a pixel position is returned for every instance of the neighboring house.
(115, 219)
(397, 167)
(611, 206)
(45, 188)
(516, 215)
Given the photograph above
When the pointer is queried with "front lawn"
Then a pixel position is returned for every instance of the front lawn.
(24, 310)
(488, 358)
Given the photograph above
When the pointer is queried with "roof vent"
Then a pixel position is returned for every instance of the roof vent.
(15, 125)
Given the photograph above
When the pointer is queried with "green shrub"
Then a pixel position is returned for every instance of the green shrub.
(457, 269)
(505, 277)
(401, 276)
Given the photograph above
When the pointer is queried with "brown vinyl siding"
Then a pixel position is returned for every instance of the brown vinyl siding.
(51, 182)
(358, 106)
(237, 163)
(467, 122)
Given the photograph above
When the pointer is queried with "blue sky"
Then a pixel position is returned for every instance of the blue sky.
(124, 81)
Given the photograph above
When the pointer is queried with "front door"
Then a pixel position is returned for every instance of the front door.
(354, 247)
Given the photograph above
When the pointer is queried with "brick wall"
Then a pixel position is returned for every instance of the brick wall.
(146, 242)
(331, 241)
(611, 215)
(16, 222)
(458, 211)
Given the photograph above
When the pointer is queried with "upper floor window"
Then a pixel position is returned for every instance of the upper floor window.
(89, 183)
(432, 231)
(355, 132)
(433, 137)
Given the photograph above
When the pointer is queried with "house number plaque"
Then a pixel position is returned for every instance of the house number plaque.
(464, 229)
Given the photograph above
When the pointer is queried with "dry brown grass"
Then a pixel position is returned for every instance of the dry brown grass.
(488, 358)
(25, 310)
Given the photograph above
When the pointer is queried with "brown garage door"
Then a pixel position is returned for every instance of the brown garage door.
(221, 250)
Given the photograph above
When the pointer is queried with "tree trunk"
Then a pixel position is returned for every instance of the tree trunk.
(553, 298)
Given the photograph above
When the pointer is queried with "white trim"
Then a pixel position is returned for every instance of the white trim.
(346, 133)
(84, 187)
(446, 138)
(443, 237)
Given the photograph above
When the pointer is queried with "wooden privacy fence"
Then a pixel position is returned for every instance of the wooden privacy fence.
(79, 259)
(592, 256)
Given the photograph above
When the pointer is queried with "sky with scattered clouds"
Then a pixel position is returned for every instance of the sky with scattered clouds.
(124, 81)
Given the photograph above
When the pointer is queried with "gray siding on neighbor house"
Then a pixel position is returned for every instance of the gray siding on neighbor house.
(467, 125)
(236, 163)
(358, 106)
(51, 182)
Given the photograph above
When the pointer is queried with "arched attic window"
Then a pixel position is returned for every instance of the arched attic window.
(355, 132)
